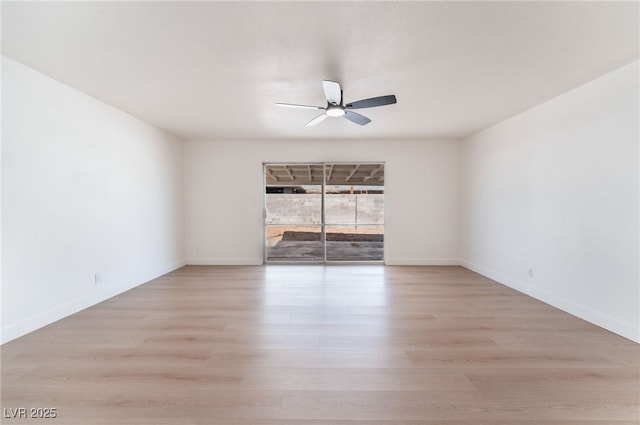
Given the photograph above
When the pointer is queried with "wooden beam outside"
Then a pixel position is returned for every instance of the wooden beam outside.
(289, 172)
(373, 173)
(270, 174)
(352, 173)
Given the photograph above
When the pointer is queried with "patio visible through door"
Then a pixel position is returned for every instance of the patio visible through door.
(324, 212)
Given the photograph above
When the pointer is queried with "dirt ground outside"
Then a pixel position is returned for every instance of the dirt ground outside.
(274, 234)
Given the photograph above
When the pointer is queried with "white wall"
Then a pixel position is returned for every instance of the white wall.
(224, 195)
(86, 188)
(556, 189)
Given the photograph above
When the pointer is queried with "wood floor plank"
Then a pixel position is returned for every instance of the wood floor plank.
(323, 345)
(565, 379)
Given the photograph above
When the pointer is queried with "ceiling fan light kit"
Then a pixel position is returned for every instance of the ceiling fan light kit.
(336, 108)
(334, 111)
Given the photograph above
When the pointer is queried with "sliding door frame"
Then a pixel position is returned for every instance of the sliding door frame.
(323, 224)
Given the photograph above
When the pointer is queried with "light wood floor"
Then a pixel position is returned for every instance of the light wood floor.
(315, 345)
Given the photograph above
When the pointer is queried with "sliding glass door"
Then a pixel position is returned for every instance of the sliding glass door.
(319, 212)
(294, 213)
(354, 212)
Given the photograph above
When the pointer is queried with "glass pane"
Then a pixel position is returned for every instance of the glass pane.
(293, 203)
(354, 212)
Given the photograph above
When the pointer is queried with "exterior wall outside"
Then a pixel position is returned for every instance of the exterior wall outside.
(305, 208)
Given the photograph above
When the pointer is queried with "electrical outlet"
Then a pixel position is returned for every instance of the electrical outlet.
(530, 273)
(97, 278)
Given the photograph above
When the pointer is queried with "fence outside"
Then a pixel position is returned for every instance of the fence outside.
(354, 211)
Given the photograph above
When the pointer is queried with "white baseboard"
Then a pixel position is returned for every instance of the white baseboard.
(38, 321)
(259, 262)
(604, 321)
(224, 261)
(422, 261)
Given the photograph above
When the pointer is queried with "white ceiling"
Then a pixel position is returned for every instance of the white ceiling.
(213, 70)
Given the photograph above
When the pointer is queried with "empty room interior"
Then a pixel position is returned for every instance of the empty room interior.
(320, 213)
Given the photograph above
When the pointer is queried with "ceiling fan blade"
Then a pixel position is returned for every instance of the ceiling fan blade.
(291, 105)
(332, 91)
(356, 118)
(316, 120)
(374, 101)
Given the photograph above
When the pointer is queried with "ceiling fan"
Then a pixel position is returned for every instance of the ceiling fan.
(336, 108)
